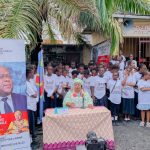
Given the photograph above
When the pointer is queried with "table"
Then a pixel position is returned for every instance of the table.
(60, 131)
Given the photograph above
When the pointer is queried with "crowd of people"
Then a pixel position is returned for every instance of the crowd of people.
(122, 86)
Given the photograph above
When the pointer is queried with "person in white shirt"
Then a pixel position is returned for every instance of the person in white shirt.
(138, 75)
(114, 85)
(121, 55)
(66, 82)
(32, 99)
(72, 67)
(128, 83)
(131, 59)
(87, 82)
(144, 99)
(98, 89)
(81, 71)
(50, 88)
(75, 74)
(60, 81)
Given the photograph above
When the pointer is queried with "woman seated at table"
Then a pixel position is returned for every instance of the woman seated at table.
(77, 97)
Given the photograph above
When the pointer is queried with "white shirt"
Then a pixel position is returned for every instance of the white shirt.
(86, 84)
(80, 76)
(134, 61)
(108, 75)
(115, 91)
(50, 84)
(137, 76)
(60, 82)
(99, 84)
(122, 66)
(31, 102)
(10, 103)
(143, 96)
(128, 91)
(124, 59)
(70, 72)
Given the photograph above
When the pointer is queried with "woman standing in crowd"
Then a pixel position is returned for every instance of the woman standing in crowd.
(138, 75)
(143, 99)
(114, 85)
(32, 99)
(128, 83)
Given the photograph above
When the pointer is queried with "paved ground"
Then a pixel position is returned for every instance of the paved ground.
(128, 136)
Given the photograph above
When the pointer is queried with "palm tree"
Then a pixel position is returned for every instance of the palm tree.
(25, 18)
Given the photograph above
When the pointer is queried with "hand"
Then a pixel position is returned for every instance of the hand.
(93, 97)
(142, 89)
(52, 97)
(91, 106)
(72, 105)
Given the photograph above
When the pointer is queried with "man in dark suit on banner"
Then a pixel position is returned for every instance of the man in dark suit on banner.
(9, 102)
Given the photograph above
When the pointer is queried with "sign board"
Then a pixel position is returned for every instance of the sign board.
(136, 29)
(14, 127)
(101, 52)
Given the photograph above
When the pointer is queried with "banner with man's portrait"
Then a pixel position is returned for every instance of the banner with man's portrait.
(14, 127)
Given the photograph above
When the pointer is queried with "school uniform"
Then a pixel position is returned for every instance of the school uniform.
(60, 82)
(138, 76)
(128, 96)
(108, 75)
(86, 85)
(31, 105)
(80, 76)
(114, 87)
(143, 96)
(50, 84)
(99, 84)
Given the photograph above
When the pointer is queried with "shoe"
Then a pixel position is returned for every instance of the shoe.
(116, 118)
(128, 119)
(148, 124)
(125, 119)
(142, 124)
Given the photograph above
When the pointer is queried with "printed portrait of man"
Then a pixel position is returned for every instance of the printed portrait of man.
(9, 102)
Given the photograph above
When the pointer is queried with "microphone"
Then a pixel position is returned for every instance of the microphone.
(83, 101)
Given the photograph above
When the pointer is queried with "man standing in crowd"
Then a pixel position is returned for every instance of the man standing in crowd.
(50, 87)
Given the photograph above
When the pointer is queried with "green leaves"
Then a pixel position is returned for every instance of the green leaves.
(24, 18)
(22, 22)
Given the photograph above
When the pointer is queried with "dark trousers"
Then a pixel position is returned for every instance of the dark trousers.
(101, 102)
(31, 117)
(50, 103)
(59, 102)
(137, 112)
(114, 109)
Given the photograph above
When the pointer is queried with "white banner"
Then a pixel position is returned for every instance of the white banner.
(14, 126)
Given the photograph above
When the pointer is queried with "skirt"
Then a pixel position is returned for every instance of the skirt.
(128, 106)
(143, 106)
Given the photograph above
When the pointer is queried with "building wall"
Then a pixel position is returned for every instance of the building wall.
(95, 38)
(86, 55)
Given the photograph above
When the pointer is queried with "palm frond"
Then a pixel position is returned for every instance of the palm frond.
(23, 20)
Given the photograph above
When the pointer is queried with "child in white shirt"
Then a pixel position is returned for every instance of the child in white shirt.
(114, 85)
(32, 100)
(50, 87)
(98, 89)
(144, 99)
(128, 84)
(87, 82)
